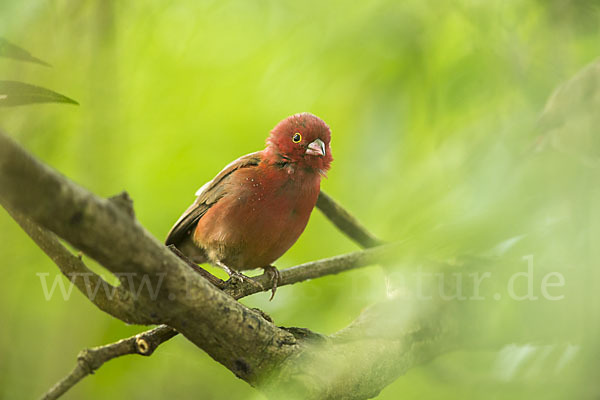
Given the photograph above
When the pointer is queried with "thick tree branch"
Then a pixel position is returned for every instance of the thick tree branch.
(342, 219)
(232, 334)
(311, 270)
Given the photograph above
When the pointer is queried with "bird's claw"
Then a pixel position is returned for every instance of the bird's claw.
(275, 278)
(235, 276)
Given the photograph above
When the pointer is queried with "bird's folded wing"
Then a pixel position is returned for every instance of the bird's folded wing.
(208, 195)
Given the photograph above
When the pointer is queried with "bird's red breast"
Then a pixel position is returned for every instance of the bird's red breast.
(260, 218)
(254, 210)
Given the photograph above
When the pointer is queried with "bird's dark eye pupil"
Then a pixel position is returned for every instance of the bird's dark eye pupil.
(297, 137)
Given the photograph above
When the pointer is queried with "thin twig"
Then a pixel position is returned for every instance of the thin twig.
(113, 300)
(345, 222)
(314, 269)
(91, 359)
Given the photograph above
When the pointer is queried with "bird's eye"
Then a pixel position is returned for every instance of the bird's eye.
(297, 138)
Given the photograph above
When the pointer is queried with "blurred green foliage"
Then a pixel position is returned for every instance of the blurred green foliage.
(434, 109)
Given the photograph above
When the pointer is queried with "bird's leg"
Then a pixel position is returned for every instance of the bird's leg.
(275, 278)
(208, 276)
(238, 276)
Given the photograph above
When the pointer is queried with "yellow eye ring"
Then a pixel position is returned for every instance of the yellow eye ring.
(297, 137)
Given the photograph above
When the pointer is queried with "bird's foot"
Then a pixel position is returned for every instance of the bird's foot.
(236, 276)
(275, 278)
(239, 277)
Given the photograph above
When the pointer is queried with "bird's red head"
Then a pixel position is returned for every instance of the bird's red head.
(303, 139)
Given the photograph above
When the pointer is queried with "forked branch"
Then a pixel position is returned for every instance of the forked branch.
(275, 359)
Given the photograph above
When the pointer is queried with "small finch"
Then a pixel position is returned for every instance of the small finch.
(255, 209)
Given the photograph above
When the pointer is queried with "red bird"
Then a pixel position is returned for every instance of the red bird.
(255, 209)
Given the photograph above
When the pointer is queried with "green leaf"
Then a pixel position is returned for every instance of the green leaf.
(9, 50)
(18, 93)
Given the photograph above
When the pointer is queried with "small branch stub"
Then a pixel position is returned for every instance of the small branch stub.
(124, 202)
(142, 346)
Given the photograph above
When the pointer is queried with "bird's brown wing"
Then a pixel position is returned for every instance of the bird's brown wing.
(208, 195)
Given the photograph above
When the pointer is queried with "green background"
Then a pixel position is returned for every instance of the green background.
(435, 111)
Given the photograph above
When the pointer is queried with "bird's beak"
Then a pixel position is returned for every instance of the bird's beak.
(316, 148)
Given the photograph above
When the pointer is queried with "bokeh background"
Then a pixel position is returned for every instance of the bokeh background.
(439, 138)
